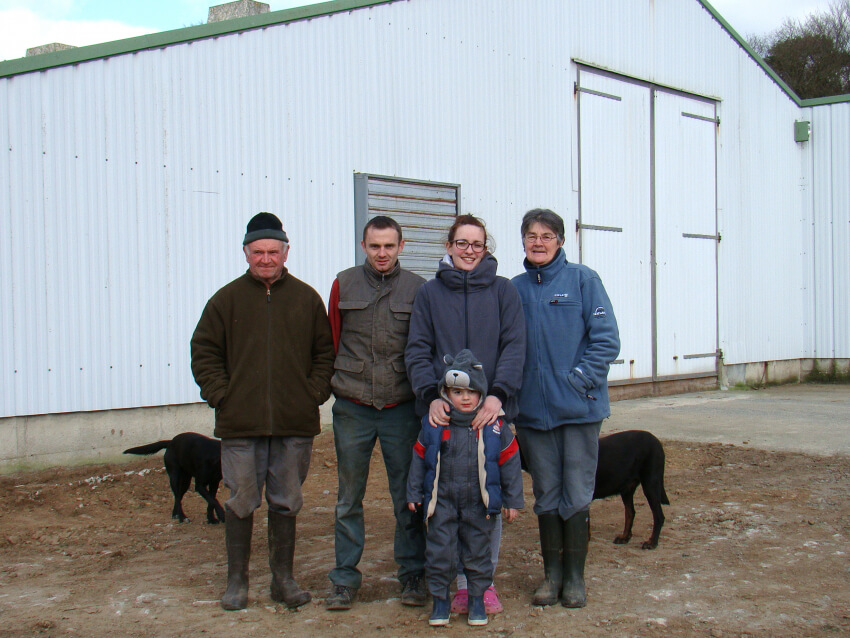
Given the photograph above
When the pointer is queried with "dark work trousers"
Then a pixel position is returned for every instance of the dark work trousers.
(280, 463)
(562, 464)
(356, 428)
(461, 530)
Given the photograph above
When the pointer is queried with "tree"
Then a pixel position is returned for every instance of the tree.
(812, 56)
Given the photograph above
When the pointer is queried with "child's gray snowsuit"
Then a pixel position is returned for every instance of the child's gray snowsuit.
(450, 474)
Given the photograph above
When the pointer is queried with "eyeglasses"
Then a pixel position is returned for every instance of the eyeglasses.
(531, 238)
(476, 246)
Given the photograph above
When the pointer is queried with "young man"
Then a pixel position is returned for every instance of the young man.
(369, 310)
(262, 354)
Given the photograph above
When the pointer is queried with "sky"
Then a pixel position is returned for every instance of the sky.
(29, 23)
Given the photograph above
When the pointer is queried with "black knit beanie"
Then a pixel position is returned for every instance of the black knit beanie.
(264, 226)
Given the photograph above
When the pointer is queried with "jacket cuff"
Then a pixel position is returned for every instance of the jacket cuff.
(430, 394)
(499, 394)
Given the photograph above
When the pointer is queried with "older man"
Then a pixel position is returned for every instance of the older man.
(262, 354)
(369, 309)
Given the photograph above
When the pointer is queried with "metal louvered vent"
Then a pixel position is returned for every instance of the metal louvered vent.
(424, 210)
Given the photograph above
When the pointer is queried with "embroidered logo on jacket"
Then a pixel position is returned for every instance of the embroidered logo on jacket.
(599, 312)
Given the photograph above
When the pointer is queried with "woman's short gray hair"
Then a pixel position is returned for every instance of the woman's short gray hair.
(547, 217)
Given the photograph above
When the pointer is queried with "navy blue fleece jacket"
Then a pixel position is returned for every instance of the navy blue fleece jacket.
(477, 310)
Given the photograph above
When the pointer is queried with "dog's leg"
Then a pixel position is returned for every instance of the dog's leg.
(207, 493)
(219, 510)
(629, 506)
(657, 518)
(179, 486)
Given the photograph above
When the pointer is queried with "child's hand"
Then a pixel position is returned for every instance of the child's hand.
(510, 514)
(412, 506)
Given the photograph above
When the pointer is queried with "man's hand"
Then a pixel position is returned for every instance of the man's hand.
(510, 514)
(412, 506)
(438, 413)
(487, 413)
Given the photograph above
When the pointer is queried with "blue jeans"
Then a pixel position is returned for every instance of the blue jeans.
(562, 464)
(356, 428)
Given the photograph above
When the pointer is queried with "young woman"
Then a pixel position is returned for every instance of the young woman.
(468, 306)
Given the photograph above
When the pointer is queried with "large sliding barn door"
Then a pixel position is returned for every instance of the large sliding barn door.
(647, 221)
(614, 138)
(685, 235)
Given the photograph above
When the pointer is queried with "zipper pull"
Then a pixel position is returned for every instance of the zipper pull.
(268, 295)
(539, 280)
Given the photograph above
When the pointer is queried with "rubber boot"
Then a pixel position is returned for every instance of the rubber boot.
(284, 589)
(575, 552)
(477, 615)
(552, 547)
(237, 540)
(440, 611)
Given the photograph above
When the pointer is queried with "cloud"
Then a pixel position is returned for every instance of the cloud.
(23, 29)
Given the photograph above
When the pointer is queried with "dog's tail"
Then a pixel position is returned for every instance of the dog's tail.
(150, 448)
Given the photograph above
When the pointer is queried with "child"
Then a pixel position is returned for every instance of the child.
(462, 478)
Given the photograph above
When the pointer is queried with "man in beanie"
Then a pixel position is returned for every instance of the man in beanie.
(369, 310)
(262, 354)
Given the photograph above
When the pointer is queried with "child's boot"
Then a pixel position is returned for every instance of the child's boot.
(477, 614)
(440, 612)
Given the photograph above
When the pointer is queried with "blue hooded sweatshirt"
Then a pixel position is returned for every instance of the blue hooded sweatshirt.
(572, 340)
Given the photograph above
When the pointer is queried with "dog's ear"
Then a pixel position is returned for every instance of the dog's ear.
(448, 359)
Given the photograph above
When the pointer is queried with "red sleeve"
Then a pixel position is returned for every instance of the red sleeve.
(334, 315)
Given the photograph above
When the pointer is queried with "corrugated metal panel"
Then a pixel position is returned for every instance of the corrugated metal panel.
(831, 237)
(685, 235)
(615, 210)
(841, 225)
(424, 211)
(140, 171)
(8, 333)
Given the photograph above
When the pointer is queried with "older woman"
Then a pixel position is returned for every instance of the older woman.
(572, 339)
(467, 306)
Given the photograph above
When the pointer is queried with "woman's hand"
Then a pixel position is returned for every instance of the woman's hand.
(510, 514)
(487, 413)
(438, 413)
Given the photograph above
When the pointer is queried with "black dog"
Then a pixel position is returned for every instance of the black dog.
(627, 459)
(188, 456)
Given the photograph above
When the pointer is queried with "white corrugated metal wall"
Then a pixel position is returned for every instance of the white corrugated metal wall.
(830, 248)
(134, 175)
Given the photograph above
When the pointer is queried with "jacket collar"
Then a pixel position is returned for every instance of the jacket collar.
(278, 282)
(547, 272)
(482, 276)
(375, 278)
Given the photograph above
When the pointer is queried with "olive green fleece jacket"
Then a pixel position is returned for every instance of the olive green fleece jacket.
(263, 358)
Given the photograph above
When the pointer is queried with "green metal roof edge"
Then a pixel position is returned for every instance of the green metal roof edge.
(833, 99)
(177, 36)
(204, 31)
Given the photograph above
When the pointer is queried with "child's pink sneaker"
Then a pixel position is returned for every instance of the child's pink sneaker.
(460, 601)
(492, 605)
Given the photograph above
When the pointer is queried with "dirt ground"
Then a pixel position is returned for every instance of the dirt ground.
(755, 544)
